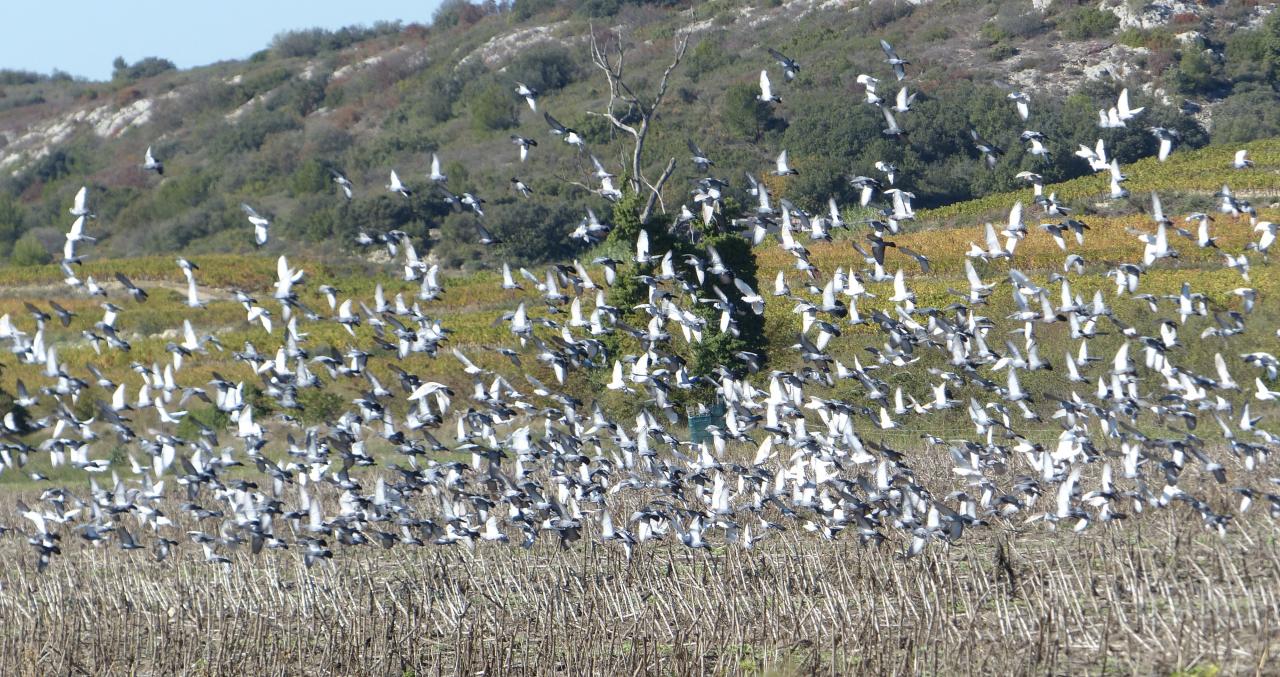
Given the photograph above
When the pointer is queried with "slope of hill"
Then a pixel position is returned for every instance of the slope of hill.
(267, 130)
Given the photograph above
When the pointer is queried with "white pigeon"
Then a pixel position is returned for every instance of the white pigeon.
(766, 90)
(260, 224)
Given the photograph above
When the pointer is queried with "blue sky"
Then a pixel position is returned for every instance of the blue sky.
(82, 37)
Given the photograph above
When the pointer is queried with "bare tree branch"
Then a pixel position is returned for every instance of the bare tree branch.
(655, 194)
(620, 93)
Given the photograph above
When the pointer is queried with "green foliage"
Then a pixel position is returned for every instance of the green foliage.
(718, 349)
(313, 41)
(1016, 20)
(11, 223)
(29, 251)
(626, 220)
(1247, 48)
(312, 176)
(144, 68)
(260, 82)
(1001, 52)
(532, 232)
(599, 8)
(991, 33)
(545, 67)
(1149, 38)
(10, 77)
(210, 416)
(880, 13)
(1247, 116)
(628, 292)
(526, 9)
(492, 108)
(458, 246)
(263, 404)
(300, 96)
(320, 406)
(594, 129)
(1083, 23)
(250, 132)
(744, 115)
(453, 13)
(1197, 73)
(57, 164)
(707, 56)
(435, 101)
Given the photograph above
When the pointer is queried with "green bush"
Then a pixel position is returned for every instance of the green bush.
(527, 9)
(880, 13)
(743, 114)
(313, 41)
(493, 108)
(1083, 23)
(532, 232)
(707, 56)
(1153, 39)
(545, 67)
(458, 246)
(991, 33)
(11, 223)
(452, 13)
(209, 416)
(1019, 20)
(1247, 116)
(249, 132)
(144, 68)
(28, 251)
(320, 406)
(1001, 52)
(1197, 73)
(310, 177)
(10, 77)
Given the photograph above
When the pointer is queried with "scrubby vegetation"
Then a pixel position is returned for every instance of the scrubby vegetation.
(368, 99)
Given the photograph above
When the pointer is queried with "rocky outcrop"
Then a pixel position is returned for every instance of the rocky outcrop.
(1138, 14)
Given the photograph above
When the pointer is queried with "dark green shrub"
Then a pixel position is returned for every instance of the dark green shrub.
(1083, 23)
(1197, 73)
(1247, 116)
(144, 68)
(743, 114)
(708, 55)
(28, 251)
(320, 406)
(493, 108)
(545, 67)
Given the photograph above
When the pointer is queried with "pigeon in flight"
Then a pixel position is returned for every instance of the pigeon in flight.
(151, 164)
(529, 94)
(699, 158)
(260, 224)
(789, 67)
(766, 94)
(570, 135)
(892, 58)
(343, 183)
(397, 186)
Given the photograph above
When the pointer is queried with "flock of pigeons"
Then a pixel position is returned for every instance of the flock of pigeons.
(546, 465)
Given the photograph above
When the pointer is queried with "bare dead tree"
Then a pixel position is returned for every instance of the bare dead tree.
(626, 105)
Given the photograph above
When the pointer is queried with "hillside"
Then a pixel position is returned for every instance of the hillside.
(367, 100)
